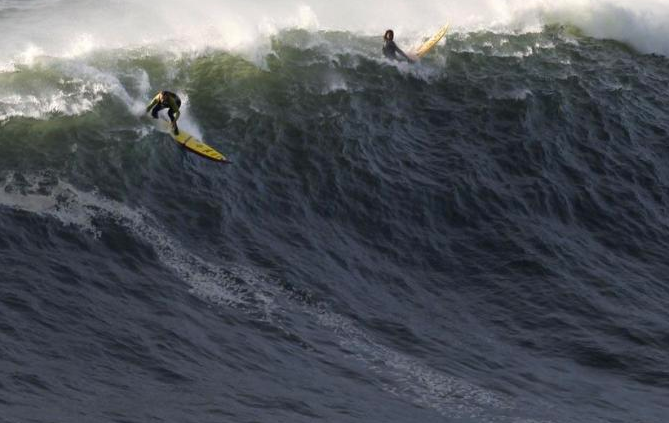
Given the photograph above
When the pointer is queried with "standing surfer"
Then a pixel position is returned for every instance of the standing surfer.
(164, 100)
(390, 49)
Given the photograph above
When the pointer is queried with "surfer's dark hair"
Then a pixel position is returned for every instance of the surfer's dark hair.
(389, 35)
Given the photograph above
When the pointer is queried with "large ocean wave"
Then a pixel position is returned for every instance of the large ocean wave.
(477, 237)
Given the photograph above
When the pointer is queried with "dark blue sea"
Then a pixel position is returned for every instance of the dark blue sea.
(478, 237)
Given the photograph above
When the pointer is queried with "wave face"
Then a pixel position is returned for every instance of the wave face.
(480, 237)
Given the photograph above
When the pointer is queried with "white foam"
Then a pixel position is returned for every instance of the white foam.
(57, 199)
(640, 23)
(37, 194)
(80, 88)
(244, 26)
(57, 101)
(81, 45)
(334, 83)
(28, 56)
(450, 396)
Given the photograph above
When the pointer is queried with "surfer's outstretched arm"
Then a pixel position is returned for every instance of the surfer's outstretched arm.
(403, 54)
(155, 101)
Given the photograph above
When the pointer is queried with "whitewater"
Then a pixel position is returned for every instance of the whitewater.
(477, 237)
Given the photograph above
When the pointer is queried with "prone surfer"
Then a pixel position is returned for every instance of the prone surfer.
(390, 49)
(164, 100)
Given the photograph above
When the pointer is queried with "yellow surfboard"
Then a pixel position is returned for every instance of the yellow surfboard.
(191, 143)
(429, 44)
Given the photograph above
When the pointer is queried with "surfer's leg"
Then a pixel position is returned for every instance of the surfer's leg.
(156, 109)
(170, 113)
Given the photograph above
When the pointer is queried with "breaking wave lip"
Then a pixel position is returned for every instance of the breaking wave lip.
(254, 293)
(246, 28)
(58, 102)
(77, 89)
(641, 24)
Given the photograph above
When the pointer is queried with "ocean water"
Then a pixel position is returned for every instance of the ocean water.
(479, 237)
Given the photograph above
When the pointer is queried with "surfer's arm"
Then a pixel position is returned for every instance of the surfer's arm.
(403, 54)
(153, 103)
(397, 50)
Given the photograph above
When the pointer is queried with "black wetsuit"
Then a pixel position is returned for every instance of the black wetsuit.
(166, 104)
(390, 50)
(166, 100)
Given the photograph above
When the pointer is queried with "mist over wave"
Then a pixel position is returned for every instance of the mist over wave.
(71, 28)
